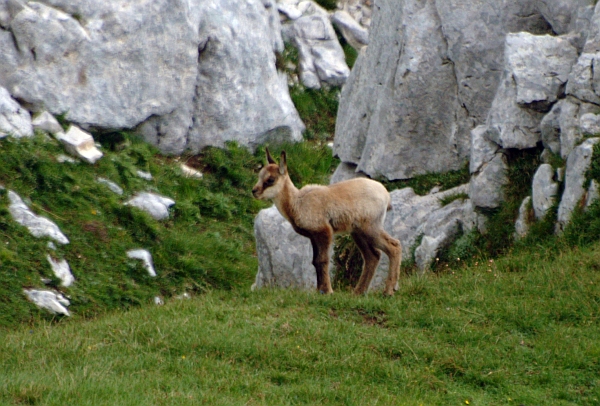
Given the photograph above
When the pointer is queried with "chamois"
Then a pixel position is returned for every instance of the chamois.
(356, 206)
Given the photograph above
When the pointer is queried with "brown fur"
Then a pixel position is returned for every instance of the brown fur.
(356, 206)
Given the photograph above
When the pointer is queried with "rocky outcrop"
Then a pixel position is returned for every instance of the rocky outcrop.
(432, 70)
(186, 74)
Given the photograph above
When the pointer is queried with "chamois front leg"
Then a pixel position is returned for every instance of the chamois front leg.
(321, 242)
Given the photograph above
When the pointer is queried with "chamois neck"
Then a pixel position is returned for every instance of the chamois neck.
(285, 201)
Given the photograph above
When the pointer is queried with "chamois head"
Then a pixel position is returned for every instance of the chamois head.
(271, 177)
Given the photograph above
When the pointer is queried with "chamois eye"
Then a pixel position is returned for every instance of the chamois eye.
(269, 182)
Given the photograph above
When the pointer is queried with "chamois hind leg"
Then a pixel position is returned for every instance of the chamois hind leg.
(371, 256)
(321, 243)
(392, 248)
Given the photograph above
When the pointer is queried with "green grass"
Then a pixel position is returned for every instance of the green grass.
(207, 242)
(422, 184)
(523, 330)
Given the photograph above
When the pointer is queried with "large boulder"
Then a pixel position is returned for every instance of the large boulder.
(187, 73)
(427, 78)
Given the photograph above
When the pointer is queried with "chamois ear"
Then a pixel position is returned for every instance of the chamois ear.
(270, 159)
(282, 164)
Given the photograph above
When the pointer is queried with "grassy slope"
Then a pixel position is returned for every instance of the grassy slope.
(479, 334)
(207, 243)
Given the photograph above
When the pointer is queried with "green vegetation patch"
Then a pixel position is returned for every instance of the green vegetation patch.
(483, 335)
(422, 184)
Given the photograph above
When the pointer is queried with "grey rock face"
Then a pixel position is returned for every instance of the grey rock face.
(53, 302)
(592, 194)
(442, 58)
(486, 188)
(584, 79)
(14, 120)
(522, 222)
(146, 258)
(284, 256)
(322, 59)
(537, 68)
(544, 190)
(38, 226)
(590, 124)
(578, 163)
(195, 73)
(482, 149)
(155, 205)
(540, 66)
(62, 270)
(566, 125)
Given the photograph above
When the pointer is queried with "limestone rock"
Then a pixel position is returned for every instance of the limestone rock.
(14, 120)
(155, 205)
(146, 258)
(522, 222)
(322, 60)
(578, 163)
(563, 127)
(144, 175)
(482, 149)
(584, 79)
(354, 33)
(486, 188)
(38, 226)
(427, 78)
(80, 144)
(540, 67)
(592, 194)
(46, 122)
(413, 216)
(53, 302)
(284, 256)
(186, 74)
(111, 185)
(590, 124)
(62, 271)
(544, 190)
(440, 230)
(189, 172)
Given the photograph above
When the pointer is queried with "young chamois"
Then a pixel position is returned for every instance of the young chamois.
(356, 206)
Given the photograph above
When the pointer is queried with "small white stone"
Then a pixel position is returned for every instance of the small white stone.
(157, 206)
(111, 185)
(158, 301)
(81, 144)
(51, 301)
(51, 246)
(62, 271)
(144, 175)
(184, 295)
(190, 172)
(145, 257)
(46, 122)
(38, 226)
